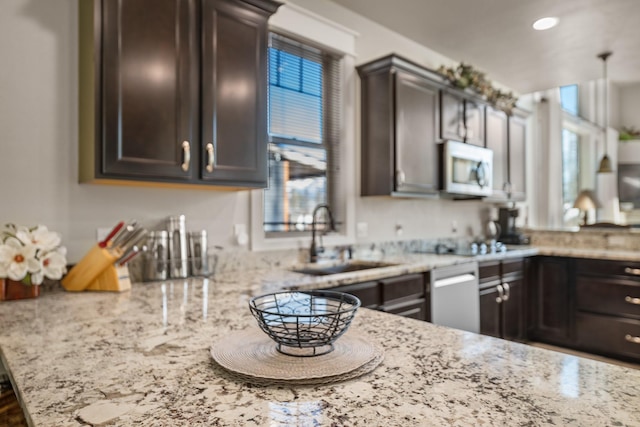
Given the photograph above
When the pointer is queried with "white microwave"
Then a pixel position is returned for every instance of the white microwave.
(466, 169)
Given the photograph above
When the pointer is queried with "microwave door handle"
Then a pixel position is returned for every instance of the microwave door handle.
(481, 174)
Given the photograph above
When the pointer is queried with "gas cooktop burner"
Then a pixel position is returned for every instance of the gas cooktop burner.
(471, 249)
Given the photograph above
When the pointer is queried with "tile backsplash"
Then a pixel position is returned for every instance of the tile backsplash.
(601, 238)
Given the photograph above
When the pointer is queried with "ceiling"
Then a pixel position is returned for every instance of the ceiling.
(495, 36)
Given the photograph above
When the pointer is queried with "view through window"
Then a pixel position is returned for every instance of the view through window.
(303, 118)
(569, 99)
(570, 169)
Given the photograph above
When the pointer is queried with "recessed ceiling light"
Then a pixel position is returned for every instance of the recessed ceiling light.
(545, 23)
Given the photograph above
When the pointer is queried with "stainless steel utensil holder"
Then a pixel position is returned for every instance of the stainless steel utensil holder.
(179, 266)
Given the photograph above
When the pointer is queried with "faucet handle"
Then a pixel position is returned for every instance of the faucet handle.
(345, 252)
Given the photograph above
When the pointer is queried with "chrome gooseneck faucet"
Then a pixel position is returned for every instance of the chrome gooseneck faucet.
(314, 250)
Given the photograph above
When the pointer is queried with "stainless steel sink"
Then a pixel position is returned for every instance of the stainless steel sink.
(325, 270)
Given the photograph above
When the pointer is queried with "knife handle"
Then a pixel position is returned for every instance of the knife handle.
(111, 235)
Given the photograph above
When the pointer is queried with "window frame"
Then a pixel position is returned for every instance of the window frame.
(589, 139)
(297, 23)
(332, 179)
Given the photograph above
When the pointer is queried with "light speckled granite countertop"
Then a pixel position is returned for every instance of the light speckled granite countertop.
(142, 358)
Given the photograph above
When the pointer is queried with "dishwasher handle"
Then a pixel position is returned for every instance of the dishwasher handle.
(454, 280)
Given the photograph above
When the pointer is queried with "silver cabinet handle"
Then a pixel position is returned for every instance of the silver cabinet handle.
(634, 271)
(210, 157)
(507, 288)
(507, 187)
(462, 131)
(186, 155)
(400, 178)
(635, 340)
(632, 300)
(500, 297)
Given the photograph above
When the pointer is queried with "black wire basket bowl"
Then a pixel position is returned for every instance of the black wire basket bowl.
(304, 323)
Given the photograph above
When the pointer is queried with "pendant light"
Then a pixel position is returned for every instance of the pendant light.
(605, 163)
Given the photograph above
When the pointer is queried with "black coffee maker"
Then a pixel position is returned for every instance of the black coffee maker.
(508, 231)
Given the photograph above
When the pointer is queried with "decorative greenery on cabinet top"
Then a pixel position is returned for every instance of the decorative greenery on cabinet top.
(465, 76)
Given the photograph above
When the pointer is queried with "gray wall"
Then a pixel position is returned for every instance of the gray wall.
(39, 142)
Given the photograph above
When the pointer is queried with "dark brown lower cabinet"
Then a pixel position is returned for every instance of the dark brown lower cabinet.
(406, 295)
(551, 303)
(367, 292)
(608, 335)
(490, 311)
(608, 308)
(513, 310)
(591, 305)
(502, 298)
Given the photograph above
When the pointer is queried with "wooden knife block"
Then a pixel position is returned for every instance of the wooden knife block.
(96, 272)
(112, 279)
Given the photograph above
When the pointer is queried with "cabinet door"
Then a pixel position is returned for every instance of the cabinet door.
(234, 85)
(490, 312)
(513, 311)
(451, 117)
(367, 292)
(149, 89)
(402, 288)
(615, 296)
(551, 303)
(517, 154)
(609, 335)
(416, 111)
(474, 114)
(497, 139)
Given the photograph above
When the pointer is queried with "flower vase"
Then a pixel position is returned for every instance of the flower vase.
(12, 290)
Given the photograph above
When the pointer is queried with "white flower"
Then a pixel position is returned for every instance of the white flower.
(31, 254)
(16, 260)
(40, 237)
(52, 266)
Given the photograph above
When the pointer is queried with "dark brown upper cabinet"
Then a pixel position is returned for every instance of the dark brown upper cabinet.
(234, 93)
(462, 119)
(407, 110)
(506, 136)
(497, 138)
(517, 155)
(399, 129)
(174, 91)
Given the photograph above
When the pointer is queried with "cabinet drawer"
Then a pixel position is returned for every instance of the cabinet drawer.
(416, 309)
(608, 335)
(367, 292)
(510, 266)
(407, 287)
(608, 268)
(489, 271)
(619, 297)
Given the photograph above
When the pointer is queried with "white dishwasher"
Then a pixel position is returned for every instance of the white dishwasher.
(455, 297)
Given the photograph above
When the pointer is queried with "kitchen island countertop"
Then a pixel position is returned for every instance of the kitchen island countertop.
(142, 358)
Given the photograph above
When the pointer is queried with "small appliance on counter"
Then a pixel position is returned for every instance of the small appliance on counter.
(509, 233)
